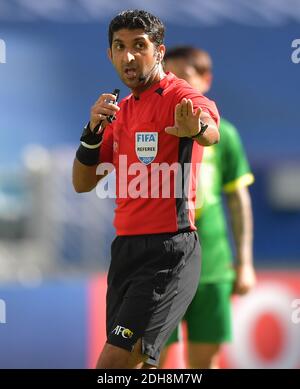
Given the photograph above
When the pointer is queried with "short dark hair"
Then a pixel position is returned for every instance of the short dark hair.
(195, 57)
(135, 19)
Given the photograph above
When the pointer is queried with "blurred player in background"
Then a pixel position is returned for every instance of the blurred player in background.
(224, 170)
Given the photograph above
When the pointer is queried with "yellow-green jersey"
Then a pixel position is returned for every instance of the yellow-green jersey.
(224, 169)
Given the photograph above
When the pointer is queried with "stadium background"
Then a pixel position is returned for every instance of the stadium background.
(54, 244)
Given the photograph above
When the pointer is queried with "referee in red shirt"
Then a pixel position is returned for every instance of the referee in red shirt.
(160, 127)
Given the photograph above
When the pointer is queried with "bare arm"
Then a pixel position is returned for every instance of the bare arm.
(240, 210)
(84, 177)
(188, 124)
(211, 135)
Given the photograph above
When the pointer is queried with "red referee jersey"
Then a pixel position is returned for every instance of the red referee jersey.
(156, 172)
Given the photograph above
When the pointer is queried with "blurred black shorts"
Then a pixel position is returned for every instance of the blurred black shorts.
(151, 281)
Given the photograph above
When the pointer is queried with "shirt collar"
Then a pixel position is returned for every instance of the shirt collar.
(162, 84)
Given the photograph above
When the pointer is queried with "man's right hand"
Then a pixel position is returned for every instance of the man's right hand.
(101, 109)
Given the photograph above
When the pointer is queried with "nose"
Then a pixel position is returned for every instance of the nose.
(129, 56)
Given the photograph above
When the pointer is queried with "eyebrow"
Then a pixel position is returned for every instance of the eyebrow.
(135, 39)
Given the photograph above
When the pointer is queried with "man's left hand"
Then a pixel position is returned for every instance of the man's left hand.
(187, 123)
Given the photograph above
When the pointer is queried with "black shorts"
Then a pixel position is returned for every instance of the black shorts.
(151, 281)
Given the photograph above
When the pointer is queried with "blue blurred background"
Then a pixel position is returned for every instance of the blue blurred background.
(56, 67)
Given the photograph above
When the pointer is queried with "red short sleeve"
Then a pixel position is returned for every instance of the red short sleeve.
(207, 105)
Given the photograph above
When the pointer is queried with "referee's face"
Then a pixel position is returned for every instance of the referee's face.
(136, 58)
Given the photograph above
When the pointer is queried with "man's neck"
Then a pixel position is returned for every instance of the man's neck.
(157, 76)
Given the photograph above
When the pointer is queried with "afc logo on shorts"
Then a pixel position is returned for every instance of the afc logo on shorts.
(125, 332)
(146, 145)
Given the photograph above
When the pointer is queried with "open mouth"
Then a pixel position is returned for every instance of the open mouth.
(130, 73)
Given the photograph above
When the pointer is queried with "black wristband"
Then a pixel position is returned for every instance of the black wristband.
(88, 157)
(202, 130)
(89, 137)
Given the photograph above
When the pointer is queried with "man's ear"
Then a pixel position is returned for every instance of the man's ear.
(161, 52)
(109, 54)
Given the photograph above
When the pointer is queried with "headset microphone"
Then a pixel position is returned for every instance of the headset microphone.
(145, 77)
